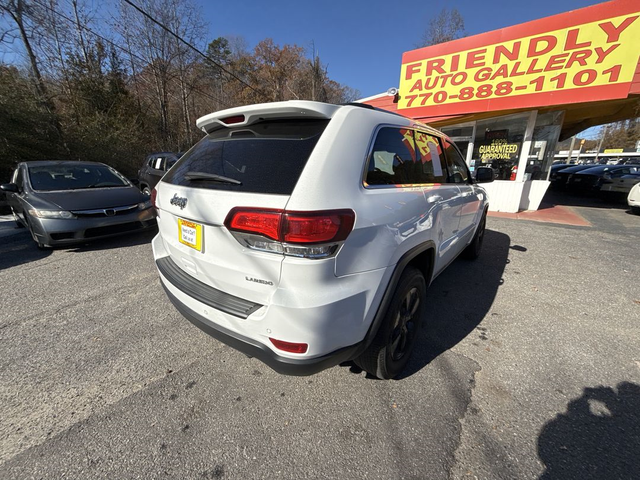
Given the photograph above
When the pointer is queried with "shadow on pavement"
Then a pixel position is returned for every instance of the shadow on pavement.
(598, 437)
(20, 248)
(592, 200)
(459, 299)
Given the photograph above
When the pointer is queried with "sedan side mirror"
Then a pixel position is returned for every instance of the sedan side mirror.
(9, 187)
(484, 174)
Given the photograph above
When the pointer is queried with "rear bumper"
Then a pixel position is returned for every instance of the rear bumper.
(252, 348)
(332, 315)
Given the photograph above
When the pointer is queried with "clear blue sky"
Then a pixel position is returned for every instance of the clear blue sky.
(362, 41)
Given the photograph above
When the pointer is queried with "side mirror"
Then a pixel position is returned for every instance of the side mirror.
(9, 187)
(484, 174)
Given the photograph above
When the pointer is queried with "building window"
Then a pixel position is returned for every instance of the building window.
(543, 145)
(498, 144)
(461, 135)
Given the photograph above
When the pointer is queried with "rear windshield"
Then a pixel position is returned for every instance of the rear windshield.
(266, 157)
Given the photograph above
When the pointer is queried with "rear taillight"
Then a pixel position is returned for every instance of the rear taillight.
(303, 234)
(154, 198)
(289, 347)
(317, 227)
(267, 223)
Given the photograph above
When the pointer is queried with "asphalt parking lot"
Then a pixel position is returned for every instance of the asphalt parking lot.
(529, 367)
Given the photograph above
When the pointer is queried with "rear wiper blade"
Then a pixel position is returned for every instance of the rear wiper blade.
(194, 176)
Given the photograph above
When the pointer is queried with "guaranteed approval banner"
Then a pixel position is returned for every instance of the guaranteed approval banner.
(581, 56)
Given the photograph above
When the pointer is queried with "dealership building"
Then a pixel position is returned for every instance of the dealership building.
(507, 97)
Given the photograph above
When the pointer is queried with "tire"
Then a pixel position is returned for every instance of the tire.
(635, 210)
(475, 247)
(146, 190)
(391, 348)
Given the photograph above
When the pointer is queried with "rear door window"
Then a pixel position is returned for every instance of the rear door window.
(266, 157)
(401, 156)
(434, 169)
(458, 171)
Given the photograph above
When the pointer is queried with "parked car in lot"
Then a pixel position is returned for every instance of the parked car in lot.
(153, 168)
(555, 168)
(634, 199)
(590, 180)
(559, 176)
(619, 185)
(66, 202)
(305, 234)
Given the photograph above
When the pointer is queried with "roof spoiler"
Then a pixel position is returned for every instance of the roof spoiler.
(246, 115)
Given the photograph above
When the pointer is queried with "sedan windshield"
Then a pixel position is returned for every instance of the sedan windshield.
(74, 177)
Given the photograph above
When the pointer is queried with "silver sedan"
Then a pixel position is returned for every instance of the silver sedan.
(66, 202)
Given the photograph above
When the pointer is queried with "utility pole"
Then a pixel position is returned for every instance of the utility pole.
(604, 134)
(573, 142)
(579, 151)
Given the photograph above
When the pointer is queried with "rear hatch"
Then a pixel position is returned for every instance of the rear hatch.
(237, 164)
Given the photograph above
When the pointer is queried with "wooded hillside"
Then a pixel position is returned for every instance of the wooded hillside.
(114, 85)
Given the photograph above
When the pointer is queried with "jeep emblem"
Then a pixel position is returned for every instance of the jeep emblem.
(178, 201)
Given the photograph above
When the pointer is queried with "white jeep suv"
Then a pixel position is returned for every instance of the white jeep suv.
(305, 234)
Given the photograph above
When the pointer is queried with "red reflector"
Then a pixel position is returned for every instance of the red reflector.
(154, 198)
(289, 347)
(260, 222)
(234, 119)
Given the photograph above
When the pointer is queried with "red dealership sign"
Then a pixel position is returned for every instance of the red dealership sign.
(581, 56)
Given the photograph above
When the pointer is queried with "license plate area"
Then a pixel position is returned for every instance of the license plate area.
(190, 234)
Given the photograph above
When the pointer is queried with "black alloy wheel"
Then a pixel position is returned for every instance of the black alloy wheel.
(404, 325)
(391, 348)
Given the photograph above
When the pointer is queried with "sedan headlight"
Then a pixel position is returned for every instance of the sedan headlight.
(51, 214)
(145, 205)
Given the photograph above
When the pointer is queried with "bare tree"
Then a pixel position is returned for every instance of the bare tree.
(27, 18)
(446, 26)
(158, 55)
(21, 12)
